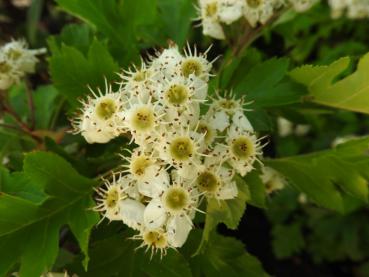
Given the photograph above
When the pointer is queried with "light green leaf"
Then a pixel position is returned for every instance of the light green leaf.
(325, 88)
(319, 174)
(29, 228)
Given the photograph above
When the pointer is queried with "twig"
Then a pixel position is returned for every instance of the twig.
(9, 126)
(31, 105)
(251, 34)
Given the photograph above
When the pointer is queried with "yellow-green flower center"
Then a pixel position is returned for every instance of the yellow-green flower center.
(242, 147)
(176, 198)
(227, 104)
(143, 119)
(140, 76)
(155, 239)
(14, 54)
(112, 198)
(177, 94)
(4, 67)
(106, 108)
(139, 165)
(254, 3)
(207, 182)
(191, 66)
(181, 148)
(211, 9)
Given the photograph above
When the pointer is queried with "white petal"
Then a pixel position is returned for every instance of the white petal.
(131, 212)
(178, 228)
(188, 171)
(227, 191)
(240, 120)
(212, 28)
(230, 10)
(154, 186)
(155, 214)
(219, 120)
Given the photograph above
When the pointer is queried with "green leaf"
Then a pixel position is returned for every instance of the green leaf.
(225, 256)
(177, 25)
(256, 189)
(228, 212)
(120, 21)
(327, 175)
(72, 72)
(118, 256)
(267, 86)
(287, 240)
(325, 88)
(45, 102)
(29, 231)
(77, 35)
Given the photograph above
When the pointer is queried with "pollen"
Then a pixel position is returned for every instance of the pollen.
(143, 119)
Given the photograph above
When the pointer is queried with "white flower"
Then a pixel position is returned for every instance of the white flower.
(165, 65)
(337, 7)
(285, 127)
(142, 121)
(243, 149)
(114, 204)
(99, 120)
(181, 149)
(302, 5)
(230, 11)
(258, 11)
(209, 133)
(9, 74)
(195, 64)
(138, 83)
(216, 182)
(154, 240)
(23, 59)
(302, 129)
(211, 25)
(173, 207)
(225, 111)
(147, 172)
(212, 28)
(272, 179)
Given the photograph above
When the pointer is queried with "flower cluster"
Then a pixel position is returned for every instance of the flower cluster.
(16, 60)
(355, 9)
(183, 154)
(216, 13)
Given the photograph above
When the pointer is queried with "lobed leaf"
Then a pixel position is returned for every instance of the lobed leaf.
(325, 88)
(30, 226)
(327, 176)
